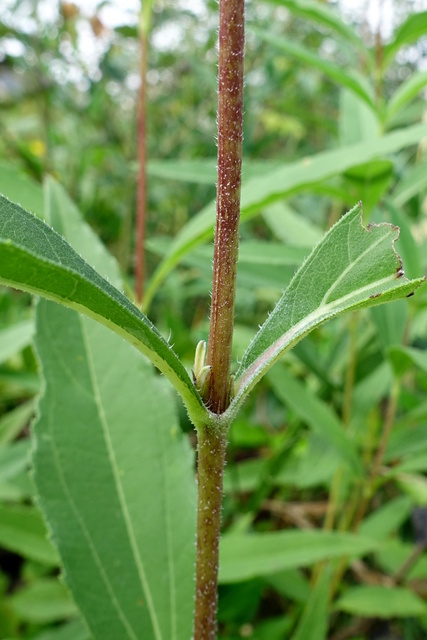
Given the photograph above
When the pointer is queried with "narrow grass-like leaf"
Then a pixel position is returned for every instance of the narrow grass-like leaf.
(322, 14)
(409, 250)
(200, 171)
(413, 182)
(33, 257)
(405, 359)
(244, 557)
(15, 338)
(204, 171)
(23, 531)
(45, 601)
(290, 178)
(14, 458)
(387, 519)
(75, 630)
(290, 227)
(344, 77)
(291, 583)
(417, 463)
(381, 602)
(409, 31)
(316, 413)
(406, 92)
(313, 624)
(12, 422)
(394, 553)
(18, 187)
(406, 442)
(357, 121)
(353, 267)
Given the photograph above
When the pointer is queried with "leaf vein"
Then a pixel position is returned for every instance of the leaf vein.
(119, 487)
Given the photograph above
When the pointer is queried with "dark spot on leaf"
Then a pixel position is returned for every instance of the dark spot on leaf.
(410, 294)
(375, 295)
(400, 272)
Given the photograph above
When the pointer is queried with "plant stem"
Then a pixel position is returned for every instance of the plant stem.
(230, 135)
(141, 200)
(212, 439)
(212, 444)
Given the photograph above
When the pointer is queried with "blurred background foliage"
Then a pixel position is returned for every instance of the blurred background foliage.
(319, 77)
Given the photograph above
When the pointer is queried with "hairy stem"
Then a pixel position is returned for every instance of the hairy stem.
(230, 133)
(212, 445)
(212, 440)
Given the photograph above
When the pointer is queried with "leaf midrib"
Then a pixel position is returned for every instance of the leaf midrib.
(119, 487)
(351, 265)
(276, 347)
(80, 520)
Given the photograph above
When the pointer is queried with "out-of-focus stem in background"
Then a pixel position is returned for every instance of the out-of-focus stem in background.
(141, 200)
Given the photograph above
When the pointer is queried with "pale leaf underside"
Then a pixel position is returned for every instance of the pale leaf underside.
(33, 257)
(353, 267)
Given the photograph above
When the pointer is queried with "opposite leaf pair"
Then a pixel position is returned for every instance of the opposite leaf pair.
(351, 268)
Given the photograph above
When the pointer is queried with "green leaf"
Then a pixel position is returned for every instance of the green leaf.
(15, 338)
(408, 248)
(405, 358)
(316, 413)
(368, 182)
(19, 188)
(14, 491)
(14, 458)
(115, 480)
(416, 463)
(404, 441)
(414, 486)
(409, 31)
(312, 462)
(262, 265)
(44, 601)
(12, 422)
(291, 583)
(62, 214)
(413, 182)
(115, 476)
(273, 629)
(35, 258)
(381, 602)
(390, 321)
(200, 171)
(358, 122)
(353, 267)
(204, 170)
(387, 519)
(323, 15)
(395, 553)
(243, 557)
(406, 92)
(22, 531)
(74, 630)
(290, 178)
(344, 77)
(291, 227)
(313, 624)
